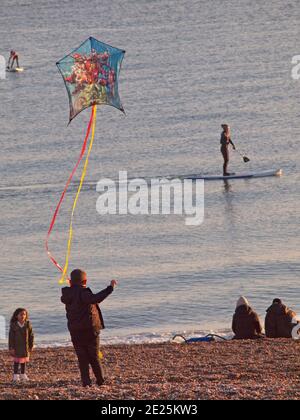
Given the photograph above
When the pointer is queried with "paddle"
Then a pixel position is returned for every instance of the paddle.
(245, 158)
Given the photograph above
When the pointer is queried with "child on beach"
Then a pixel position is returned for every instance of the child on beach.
(85, 322)
(21, 340)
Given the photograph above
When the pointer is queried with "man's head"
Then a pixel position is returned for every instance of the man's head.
(277, 302)
(78, 278)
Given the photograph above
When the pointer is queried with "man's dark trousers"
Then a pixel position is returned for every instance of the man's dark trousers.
(87, 347)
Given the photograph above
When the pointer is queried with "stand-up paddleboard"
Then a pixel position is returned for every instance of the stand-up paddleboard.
(263, 174)
(15, 70)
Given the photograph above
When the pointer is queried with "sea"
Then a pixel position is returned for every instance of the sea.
(190, 65)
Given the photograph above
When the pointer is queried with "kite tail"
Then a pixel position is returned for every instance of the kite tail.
(53, 221)
(65, 270)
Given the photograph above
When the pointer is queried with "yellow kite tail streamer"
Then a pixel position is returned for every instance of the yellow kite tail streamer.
(65, 270)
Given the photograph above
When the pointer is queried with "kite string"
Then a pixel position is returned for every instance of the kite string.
(65, 270)
(53, 221)
(107, 238)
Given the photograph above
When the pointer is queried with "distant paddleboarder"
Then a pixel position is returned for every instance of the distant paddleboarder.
(225, 141)
(13, 59)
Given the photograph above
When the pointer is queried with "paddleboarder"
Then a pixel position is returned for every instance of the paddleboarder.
(14, 58)
(225, 142)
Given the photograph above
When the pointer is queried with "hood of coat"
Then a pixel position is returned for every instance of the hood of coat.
(278, 309)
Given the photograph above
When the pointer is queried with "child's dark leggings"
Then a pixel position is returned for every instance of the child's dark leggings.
(17, 368)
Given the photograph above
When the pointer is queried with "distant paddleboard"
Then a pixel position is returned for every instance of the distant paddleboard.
(263, 174)
(15, 70)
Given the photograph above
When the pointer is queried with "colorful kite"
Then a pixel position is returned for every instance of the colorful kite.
(91, 76)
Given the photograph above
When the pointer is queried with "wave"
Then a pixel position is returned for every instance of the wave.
(46, 188)
(132, 339)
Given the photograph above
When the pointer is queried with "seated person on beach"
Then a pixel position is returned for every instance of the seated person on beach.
(85, 322)
(280, 320)
(246, 324)
(14, 58)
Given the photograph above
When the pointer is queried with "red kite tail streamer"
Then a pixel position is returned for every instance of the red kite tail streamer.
(83, 174)
(53, 221)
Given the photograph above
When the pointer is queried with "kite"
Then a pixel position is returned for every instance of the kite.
(91, 74)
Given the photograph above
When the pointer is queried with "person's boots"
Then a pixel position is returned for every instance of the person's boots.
(16, 378)
(100, 382)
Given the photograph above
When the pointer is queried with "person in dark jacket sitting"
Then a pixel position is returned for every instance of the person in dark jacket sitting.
(246, 324)
(85, 322)
(280, 320)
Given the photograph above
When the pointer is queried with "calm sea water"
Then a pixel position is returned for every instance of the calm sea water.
(190, 65)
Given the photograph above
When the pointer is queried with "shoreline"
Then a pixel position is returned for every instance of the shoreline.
(130, 339)
(263, 369)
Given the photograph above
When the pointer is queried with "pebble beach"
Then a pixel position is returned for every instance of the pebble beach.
(263, 370)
